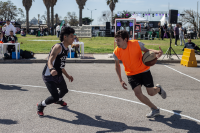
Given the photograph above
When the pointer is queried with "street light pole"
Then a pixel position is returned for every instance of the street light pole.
(91, 14)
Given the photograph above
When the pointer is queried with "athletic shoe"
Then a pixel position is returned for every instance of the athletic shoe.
(62, 103)
(176, 45)
(163, 93)
(153, 113)
(40, 109)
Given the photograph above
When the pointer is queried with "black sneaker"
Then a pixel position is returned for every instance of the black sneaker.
(62, 103)
(40, 109)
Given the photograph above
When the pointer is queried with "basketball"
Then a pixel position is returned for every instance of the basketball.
(149, 58)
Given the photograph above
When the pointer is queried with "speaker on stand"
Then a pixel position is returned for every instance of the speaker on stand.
(173, 15)
(108, 34)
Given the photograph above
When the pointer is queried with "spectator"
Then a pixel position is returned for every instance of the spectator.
(181, 34)
(165, 35)
(8, 27)
(4, 40)
(76, 46)
(32, 32)
(191, 45)
(23, 33)
(11, 39)
(195, 34)
(176, 33)
(153, 35)
(58, 30)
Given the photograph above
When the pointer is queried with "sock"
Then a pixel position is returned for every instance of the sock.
(159, 91)
(60, 99)
(43, 103)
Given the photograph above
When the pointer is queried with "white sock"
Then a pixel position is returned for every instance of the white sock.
(43, 103)
(60, 99)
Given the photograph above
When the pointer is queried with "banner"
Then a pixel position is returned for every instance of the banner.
(62, 23)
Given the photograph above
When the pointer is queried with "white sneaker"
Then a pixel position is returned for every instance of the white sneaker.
(163, 93)
(153, 113)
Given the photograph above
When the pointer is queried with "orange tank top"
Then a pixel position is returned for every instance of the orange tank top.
(131, 58)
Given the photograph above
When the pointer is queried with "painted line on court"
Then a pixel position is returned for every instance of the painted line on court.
(191, 118)
(182, 73)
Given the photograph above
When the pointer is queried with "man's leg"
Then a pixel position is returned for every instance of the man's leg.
(180, 40)
(51, 86)
(175, 40)
(143, 98)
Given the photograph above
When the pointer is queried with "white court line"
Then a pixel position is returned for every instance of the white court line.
(111, 97)
(182, 73)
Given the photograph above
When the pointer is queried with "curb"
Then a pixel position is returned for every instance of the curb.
(80, 61)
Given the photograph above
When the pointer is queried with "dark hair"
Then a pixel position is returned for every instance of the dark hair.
(66, 31)
(123, 34)
(180, 24)
(11, 31)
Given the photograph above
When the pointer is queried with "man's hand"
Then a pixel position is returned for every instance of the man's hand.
(54, 72)
(70, 78)
(160, 52)
(4, 26)
(124, 85)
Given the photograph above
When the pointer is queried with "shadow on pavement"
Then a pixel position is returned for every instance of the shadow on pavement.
(11, 87)
(7, 121)
(175, 121)
(110, 126)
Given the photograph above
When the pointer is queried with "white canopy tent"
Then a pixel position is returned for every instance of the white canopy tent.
(164, 20)
(139, 19)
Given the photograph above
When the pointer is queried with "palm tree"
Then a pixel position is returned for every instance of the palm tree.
(47, 3)
(111, 4)
(81, 4)
(27, 4)
(53, 3)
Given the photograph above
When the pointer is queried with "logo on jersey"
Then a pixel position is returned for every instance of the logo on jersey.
(63, 58)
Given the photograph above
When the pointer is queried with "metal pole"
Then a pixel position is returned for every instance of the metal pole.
(197, 20)
(91, 16)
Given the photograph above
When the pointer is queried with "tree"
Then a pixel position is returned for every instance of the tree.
(53, 3)
(105, 17)
(125, 14)
(81, 4)
(189, 17)
(86, 21)
(112, 4)
(71, 19)
(47, 3)
(27, 4)
(9, 11)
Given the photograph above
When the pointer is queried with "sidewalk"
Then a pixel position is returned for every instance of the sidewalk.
(91, 58)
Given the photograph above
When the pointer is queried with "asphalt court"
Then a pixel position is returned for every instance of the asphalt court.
(96, 101)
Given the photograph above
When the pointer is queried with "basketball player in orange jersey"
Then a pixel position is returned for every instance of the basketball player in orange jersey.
(130, 53)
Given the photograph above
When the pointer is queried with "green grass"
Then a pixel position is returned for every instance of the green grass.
(92, 45)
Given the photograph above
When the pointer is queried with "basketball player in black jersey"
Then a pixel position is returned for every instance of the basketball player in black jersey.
(52, 73)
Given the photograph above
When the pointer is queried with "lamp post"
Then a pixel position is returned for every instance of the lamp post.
(91, 14)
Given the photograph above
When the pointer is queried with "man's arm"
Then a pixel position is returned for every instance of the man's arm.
(67, 75)
(13, 29)
(158, 52)
(55, 51)
(118, 70)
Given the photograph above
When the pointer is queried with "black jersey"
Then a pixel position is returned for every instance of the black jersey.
(58, 63)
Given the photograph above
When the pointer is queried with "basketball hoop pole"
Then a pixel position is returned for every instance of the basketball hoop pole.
(168, 53)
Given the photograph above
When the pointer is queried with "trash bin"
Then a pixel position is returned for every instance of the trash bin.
(38, 33)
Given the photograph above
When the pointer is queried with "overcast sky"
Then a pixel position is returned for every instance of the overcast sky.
(64, 6)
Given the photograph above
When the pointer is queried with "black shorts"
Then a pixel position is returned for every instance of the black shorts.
(145, 79)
